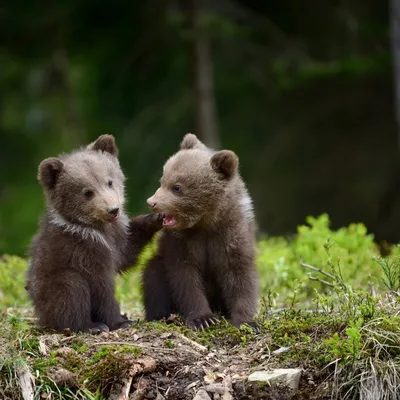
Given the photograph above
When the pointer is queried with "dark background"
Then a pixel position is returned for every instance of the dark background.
(304, 92)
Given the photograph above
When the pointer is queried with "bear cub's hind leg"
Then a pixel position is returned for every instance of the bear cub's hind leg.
(66, 304)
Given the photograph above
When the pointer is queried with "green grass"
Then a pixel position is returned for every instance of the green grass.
(327, 295)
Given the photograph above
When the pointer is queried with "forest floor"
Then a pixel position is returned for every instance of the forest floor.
(164, 361)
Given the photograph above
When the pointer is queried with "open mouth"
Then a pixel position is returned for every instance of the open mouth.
(114, 217)
(169, 221)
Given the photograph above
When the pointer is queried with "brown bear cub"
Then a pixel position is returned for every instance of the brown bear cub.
(85, 238)
(205, 259)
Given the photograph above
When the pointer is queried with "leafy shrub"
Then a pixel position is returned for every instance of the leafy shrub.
(352, 248)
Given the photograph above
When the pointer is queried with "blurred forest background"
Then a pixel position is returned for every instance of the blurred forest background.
(304, 92)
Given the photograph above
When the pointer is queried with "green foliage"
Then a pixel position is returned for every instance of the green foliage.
(12, 281)
(316, 244)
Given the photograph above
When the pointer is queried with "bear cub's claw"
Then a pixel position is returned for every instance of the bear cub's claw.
(150, 222)
(96, 328)
(253, 325)
(157, 221)
(127, 323)
(202, 323)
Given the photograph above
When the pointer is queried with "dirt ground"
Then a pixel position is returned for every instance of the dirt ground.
(169, 366)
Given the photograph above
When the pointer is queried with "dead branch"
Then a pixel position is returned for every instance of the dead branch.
(319, 270)
(26, 382)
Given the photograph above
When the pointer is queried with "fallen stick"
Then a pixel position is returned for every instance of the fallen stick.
(26, 382)
(194, 344)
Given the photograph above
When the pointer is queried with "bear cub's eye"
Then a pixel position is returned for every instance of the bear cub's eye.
(110, 184)
(176, 189)
(88, 194)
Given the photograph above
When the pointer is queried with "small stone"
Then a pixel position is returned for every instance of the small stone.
(216, 388)
(104, 335)
(281, 350)
(135, 337)
(210, 355)
(165, 335)
(67, 332)
(192, 385)
(113, 335)
(209, 377)
(290, 377)
(202, 395)
(62, 377)
(227, 396)
(228, 382)
(63, 351)
(42, 347)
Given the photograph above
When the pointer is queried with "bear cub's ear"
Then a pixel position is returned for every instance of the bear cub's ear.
(49, 171)
(105, 143)
(225, 163)
(190, 141)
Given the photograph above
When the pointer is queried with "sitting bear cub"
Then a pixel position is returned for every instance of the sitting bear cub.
(205, 259)
(85, 238)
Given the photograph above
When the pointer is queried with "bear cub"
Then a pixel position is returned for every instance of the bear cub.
(84, 240)
(205, 259)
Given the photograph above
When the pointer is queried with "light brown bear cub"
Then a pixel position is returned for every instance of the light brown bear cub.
(205, 260)
(85, 238)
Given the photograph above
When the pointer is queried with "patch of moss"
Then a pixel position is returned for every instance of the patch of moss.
(224, 334)
(72, 361)
(113, 349)
(80, 346)
(41, 364)
(107, 365)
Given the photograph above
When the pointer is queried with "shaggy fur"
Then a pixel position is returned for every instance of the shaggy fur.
(205, 261)
(85, 238)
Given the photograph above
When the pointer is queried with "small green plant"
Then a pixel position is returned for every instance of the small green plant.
(390, 267)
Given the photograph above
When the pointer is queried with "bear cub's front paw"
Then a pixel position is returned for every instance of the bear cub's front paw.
(253, 325)
(150, 222)
(96, 328)
(201, 323)
(156, 221)
(127, 323)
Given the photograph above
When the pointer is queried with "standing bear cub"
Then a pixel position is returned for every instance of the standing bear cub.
(205, 259)
(85, 239)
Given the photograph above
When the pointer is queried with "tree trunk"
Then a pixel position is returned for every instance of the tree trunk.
(394, 15)
(206, 120)
(389, 200)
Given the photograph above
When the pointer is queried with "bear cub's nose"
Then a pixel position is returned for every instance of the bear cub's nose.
(113, 210)
(151, 204)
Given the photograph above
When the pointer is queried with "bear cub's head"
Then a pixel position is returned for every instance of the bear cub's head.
(194, 184)
(85, 187)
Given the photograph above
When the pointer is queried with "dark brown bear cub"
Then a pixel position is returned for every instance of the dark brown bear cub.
(85, 238)
(205, 260)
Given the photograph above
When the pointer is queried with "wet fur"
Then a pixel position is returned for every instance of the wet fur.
(206, 264)
(76, 254)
